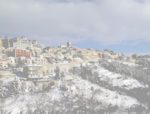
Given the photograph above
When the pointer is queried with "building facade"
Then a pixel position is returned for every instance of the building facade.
(21, 53)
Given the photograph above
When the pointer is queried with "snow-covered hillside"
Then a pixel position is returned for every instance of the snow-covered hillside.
(87, 85)
(27, 96)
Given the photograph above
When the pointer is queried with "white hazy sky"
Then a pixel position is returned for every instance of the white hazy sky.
(122, 25)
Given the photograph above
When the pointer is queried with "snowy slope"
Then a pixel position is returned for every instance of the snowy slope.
(83, 87)
(76, 88)
(118, 80)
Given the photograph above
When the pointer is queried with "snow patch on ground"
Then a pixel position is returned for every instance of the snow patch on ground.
(103, 95)
(118, 80)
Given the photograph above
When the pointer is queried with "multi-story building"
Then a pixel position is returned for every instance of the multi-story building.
(1, 43)
(35, 71)
(7, 42)
(23, 42)
(21, 53)
(31, 70)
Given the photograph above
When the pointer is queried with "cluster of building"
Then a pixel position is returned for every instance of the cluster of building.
(24, 57)
(27, 58)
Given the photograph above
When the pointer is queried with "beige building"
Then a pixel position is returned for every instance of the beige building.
(31, 71)
(36, 71)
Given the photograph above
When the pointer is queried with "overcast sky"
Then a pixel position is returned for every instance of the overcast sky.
(121, 25)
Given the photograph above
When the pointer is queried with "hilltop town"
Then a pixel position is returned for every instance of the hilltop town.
(27, 58)
(69, 80)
